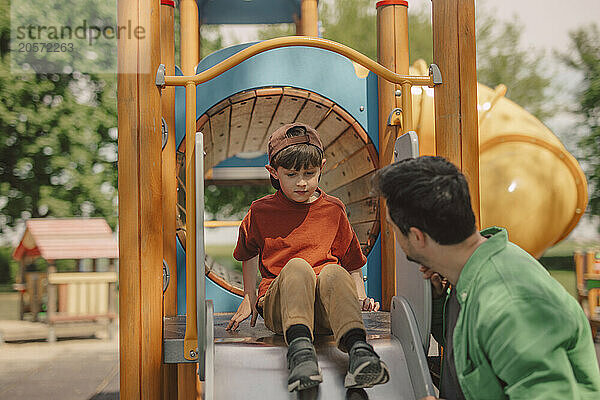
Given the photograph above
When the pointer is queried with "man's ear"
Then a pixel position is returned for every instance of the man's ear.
(272, 171)
(419, 238)
(323, 164)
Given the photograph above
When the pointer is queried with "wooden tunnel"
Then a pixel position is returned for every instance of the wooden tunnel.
(243, 122)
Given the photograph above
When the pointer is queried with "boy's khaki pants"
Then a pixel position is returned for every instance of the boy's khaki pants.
(324, 303)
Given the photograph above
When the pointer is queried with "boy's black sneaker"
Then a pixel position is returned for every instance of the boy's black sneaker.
(302, 363)
(365, 368)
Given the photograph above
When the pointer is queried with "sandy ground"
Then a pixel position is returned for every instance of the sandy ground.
(66, 370)
(84, 369)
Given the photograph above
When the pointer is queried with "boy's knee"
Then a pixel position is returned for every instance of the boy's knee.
(334, 274)
(299, 266)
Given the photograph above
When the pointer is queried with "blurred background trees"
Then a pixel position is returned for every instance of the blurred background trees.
(59, 138)
(584, 57)
(501, 57)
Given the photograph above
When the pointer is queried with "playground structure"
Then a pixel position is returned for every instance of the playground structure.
(69, 298)
(235, 98)
(587, 270)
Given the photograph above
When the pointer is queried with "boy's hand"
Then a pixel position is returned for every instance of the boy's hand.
(369, 304)
(247, 308)
(437, 283)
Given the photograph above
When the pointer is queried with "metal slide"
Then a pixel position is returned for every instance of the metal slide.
(251, 363)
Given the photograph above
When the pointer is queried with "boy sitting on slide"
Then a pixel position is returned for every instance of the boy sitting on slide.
(309, 259)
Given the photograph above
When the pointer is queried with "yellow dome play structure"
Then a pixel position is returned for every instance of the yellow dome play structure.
(530, 183)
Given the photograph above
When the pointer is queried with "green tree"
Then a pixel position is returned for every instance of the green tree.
(354, 23)
(501, 58)
(226, 202)
(585, 58)
(58, 143)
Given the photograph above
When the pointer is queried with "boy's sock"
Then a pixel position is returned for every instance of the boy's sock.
(296, 331)
(351, 337)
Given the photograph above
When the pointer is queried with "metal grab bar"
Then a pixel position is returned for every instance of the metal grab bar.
(200, 256)
(434, 77)
(196, 338)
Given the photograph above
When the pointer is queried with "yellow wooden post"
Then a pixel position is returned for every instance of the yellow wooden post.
(309, 19)
(456, 125)
(140, 208)
(392, 53)
(169, 183)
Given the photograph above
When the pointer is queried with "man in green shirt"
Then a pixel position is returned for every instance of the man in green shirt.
(509, 330)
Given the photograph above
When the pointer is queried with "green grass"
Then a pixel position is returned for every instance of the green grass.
(567, 279)
(223, 254)
(568, 247)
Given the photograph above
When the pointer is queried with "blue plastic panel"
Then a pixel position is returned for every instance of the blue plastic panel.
(324, 72)
(248, 11)
(260, 161)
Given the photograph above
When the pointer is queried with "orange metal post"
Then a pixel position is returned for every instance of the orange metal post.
(309, 18)
(140, 206)
(392, 53)
(169, 183)
(456, 125)
(190, 342)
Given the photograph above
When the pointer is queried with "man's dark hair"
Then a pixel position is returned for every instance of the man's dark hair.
(428, 193)
(296, 156)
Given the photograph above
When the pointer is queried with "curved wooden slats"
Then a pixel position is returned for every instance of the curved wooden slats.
(332, 127)
(264, 109)
(291, 103)
(343, 147)
(219, 126)
(362, 211)
(357, 165)
(353, 191)
(367, 233)
(241, 113)
(314, 110)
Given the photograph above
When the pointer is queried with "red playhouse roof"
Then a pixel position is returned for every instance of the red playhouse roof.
(72, 238)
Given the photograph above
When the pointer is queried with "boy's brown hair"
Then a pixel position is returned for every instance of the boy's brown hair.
(294, 146)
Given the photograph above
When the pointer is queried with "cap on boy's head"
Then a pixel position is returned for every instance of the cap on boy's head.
(291, 134)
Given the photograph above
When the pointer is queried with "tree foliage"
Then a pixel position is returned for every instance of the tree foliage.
(354, 23)
(585, 58)
(501, 58)
(58, 143)
(225, 202)
(58, 149)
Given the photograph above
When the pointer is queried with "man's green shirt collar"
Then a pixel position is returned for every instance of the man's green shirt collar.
(497, 240)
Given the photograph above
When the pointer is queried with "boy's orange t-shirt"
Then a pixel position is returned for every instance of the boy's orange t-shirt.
(279, 229)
